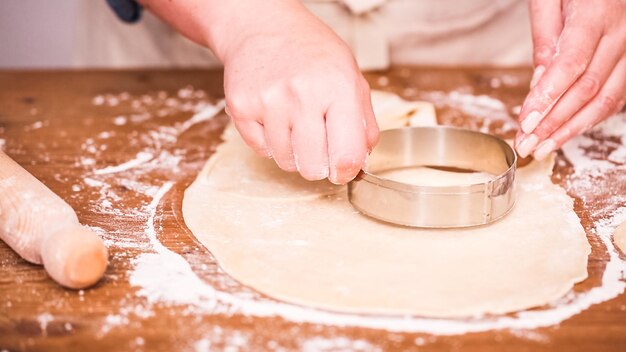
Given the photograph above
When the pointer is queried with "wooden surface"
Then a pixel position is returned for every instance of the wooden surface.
(58, 127)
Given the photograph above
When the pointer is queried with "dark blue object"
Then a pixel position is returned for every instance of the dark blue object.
(128, 11)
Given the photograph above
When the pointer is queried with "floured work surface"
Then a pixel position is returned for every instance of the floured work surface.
(304, 243)
(122, 146)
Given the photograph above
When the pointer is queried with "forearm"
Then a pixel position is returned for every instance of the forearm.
(221, 25)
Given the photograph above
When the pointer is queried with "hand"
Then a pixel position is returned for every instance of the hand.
(295, 94)
(293, 89)
(580, 71)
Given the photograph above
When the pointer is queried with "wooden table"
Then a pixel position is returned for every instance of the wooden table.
(61, 126)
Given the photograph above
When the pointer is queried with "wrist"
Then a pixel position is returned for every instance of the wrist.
(223, 26)
(243, 21)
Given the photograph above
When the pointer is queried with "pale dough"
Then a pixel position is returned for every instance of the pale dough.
(619, 237)
(303, 243)
(393, 112)
(426, 176)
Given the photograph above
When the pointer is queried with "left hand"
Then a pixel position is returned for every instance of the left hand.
(580, 71)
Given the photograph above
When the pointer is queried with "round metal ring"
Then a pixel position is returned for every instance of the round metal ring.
(436, 206)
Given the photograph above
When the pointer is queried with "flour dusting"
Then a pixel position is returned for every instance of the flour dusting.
(488, 114)
(140, 158)
(163, 277)
(210, 300)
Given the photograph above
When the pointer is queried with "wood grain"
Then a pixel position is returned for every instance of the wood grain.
(48, 119)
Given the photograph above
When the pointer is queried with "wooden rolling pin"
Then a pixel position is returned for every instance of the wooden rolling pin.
(43, 229)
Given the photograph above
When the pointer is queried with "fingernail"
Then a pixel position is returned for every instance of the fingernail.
(539, 70)
(324, 173)
(531, 121)
(332, 171)
(527, 145)
(544, 149)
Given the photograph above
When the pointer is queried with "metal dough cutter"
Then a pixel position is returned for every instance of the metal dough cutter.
(436, 206)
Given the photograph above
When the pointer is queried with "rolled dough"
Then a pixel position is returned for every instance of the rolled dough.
(303, 243)
(619, 237)
(427, 176)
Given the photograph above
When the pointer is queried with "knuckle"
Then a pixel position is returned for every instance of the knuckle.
(299, 85)
(336, 80)
(549, 125)
(271, 95)
(588, 85)
(608, 104)
(348, 79)
(237, 105)
(574, 62)
(543, 51)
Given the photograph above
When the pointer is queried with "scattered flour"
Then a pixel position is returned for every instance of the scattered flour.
(36, 125)
(337, 344)
(164, 277)
(158, 152)
(504, 80)
(140, 158)
(44, 319)
(170, 269)
(488, 112)
(120, 120)
(182, 286)
(530, 335)
(112, 321)
(616, 127)
(587, 153)
(218, 339)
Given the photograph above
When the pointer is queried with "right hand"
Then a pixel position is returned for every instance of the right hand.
(295, 94)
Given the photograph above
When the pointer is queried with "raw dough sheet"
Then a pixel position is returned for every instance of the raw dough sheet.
(303, 243)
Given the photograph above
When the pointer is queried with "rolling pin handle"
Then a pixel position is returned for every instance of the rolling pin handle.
(74, 256)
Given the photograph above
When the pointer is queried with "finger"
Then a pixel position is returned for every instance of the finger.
(607, 102)
(371, 126)
(253, 134)
(278, 137)
(546, 26)
(518, 137)
(583, 90)
(567, 66)
(347, 144)
(310, 149)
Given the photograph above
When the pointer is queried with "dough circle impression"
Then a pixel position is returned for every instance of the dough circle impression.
(303, 243)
